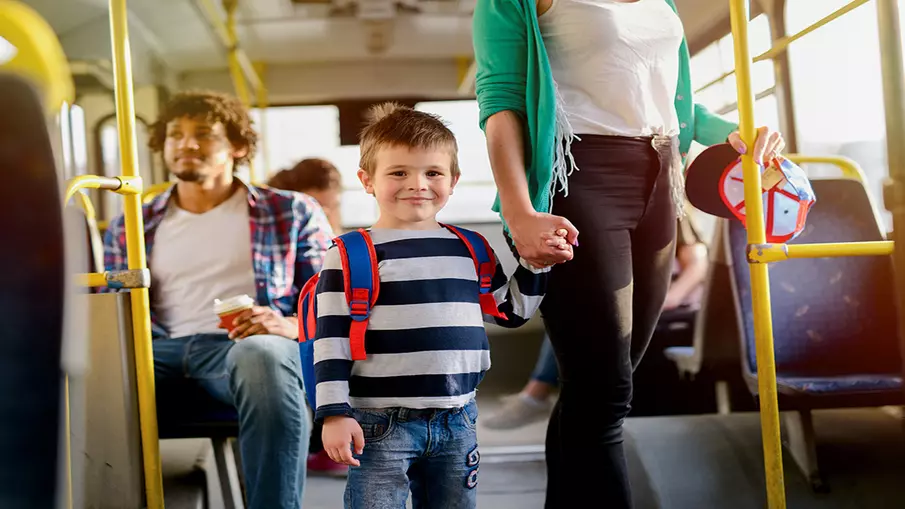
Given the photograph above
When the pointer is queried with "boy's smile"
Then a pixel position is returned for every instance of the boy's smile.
(411, 185)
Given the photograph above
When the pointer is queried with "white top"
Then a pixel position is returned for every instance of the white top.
(616, 64)
(197, 258)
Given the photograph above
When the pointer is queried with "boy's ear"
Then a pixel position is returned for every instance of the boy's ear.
(366, 181)
(455, 180)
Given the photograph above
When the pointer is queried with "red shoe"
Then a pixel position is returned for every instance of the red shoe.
(320, 464)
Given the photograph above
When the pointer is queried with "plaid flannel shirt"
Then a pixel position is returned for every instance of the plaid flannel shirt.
(289, 236)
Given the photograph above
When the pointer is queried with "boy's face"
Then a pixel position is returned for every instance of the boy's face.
(197, 151)
(411, 185)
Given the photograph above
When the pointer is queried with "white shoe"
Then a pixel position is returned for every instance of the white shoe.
(518, 410)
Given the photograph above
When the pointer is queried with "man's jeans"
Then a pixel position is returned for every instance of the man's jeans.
(260, 376)
(432, 452)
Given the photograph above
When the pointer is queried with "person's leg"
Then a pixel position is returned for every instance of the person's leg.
(653, 252)
(447, 476)
(588, 311)
(381, 481)
(531, 404)
(591, 331)
(545, 376)
(261, 376)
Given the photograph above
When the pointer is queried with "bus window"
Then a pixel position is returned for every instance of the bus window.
(298, 132)
(717, 59)
(476, 190)
(79, 138)
(837, 88)
(294, 133)
(108, 143)
(65, 124)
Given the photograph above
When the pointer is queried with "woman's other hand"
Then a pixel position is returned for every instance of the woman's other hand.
(767, 145)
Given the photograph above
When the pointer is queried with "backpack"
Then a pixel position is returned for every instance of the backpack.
(362, 286)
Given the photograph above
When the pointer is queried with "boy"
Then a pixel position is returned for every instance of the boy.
(409, 408)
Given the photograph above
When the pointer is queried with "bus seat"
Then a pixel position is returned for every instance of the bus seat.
(186, 410)
(834, 319)
(32, 299)
(714, 349)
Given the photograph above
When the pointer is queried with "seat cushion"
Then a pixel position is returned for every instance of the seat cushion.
(853, 384)
(186, 410)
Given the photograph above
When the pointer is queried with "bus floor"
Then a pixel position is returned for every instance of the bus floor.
(675, 462)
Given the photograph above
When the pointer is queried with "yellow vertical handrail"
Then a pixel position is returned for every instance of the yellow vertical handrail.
(894, 103)
(235, 69)
(135, 250)
(760, 282)
(263, 102)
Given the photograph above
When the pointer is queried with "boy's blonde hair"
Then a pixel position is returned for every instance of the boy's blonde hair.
(390, 124)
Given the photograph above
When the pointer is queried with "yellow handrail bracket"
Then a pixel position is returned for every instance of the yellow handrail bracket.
(137, 278)
(125, 185)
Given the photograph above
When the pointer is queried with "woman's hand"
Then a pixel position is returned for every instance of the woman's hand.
(543, 239)
(767, 145)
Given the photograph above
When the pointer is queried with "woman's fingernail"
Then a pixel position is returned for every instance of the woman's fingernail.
(575, 243)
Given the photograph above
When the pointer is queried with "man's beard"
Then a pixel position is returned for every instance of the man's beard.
(189, 176)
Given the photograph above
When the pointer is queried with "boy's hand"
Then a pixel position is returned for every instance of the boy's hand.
(339, 432)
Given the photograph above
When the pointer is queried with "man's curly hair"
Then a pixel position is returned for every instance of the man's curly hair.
(213, 107)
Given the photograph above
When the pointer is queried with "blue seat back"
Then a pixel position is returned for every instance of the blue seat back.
(831, 316)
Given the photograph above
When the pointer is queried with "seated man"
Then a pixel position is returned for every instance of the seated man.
(210, 237)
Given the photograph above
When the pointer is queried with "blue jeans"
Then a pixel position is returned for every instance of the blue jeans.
(260, 376)
(433, 452)
(546, 370)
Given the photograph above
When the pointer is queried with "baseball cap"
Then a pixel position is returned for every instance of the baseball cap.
(714, 185)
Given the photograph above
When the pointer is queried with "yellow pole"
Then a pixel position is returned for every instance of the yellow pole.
(235, 69)
(68, 440)
(894, 102)
(261, 69)
(760, 282)
(135, 250)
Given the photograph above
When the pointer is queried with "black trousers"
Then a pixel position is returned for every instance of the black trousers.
(601, 309)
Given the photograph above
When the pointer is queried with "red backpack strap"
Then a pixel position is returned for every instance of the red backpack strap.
(485, 266)
(362, 284)
(306, 311)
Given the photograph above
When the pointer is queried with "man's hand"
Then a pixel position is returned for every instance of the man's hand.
(339, 432)
(263, 320)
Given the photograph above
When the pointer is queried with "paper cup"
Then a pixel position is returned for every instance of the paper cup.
(229, 309)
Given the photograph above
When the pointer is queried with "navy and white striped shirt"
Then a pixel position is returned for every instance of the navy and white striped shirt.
(426, 343)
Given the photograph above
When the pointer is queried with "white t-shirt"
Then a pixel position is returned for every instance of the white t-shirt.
(197, 258)
(616, 64)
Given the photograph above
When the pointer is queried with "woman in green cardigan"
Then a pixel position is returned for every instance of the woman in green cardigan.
(588, 114)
